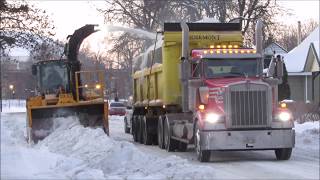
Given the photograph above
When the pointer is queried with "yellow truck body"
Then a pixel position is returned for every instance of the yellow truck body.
(159, 85)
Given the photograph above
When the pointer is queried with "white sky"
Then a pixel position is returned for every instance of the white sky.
(71, 15)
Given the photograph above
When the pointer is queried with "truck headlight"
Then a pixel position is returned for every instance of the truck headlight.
(284, 116)
(213, 118)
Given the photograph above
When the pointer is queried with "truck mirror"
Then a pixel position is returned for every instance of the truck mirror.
(34, 70)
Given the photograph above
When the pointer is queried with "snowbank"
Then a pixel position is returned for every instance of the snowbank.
(75, 152)
(19, 160)
(118, 160)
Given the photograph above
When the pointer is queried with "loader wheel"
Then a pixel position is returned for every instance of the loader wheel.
(147, 137)
(169, 143)
(160, 133)
(283, 154)
(135, 128)
(203, 155)
(126, 129)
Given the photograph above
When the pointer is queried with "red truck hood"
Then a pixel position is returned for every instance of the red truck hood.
(216, 90)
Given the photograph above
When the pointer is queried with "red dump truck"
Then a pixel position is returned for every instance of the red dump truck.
(202, 87)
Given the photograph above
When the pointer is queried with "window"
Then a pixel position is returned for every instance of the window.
(116, 104)
(230, 67)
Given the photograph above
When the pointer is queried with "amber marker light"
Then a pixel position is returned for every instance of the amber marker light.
(98, 86)
(201, 107)
(283, 105)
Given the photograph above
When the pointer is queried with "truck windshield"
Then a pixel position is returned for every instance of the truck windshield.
(230, 67)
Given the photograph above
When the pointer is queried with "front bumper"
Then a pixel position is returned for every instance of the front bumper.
(247, 140)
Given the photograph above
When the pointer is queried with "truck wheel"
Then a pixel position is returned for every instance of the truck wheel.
(126, 129)
(169, 143)
(147, 137)
(283, 154)
(140, 129)
(182, 147)
(203, 155)
(160, 133)
(134, 128)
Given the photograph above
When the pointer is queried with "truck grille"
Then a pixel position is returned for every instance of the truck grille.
(249, 105)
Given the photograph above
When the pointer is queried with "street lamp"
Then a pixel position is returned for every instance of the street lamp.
(11, 87)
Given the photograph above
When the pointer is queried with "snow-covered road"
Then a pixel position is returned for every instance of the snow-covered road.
(74, 152)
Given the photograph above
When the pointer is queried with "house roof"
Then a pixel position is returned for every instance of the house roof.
(274, 47)
(295, 60)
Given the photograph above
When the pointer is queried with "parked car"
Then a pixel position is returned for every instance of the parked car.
(117, 108)
(128, 120)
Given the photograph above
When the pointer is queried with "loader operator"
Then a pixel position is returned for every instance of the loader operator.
(60, 90)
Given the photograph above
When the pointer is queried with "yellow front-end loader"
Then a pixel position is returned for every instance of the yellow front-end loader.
(64, 90)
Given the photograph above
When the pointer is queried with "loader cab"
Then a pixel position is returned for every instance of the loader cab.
(52, 75)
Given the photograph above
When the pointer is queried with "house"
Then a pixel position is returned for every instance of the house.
(302, 64)
(270, 50)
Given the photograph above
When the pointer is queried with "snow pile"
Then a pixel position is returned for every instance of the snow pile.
(118, 160)
(208, 20)
(308, 135)
(21, 161)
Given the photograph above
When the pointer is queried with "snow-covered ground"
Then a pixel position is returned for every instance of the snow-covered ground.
(75, 152)
(13, 105)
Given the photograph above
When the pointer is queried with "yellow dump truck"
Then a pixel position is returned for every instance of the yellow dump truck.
(64, 90)
(201, 86)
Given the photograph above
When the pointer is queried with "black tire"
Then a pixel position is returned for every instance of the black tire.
(283, 154)
(169, 143)
(203, 155)
(160, 133)
(135, 128)
(147, 137)
(126, 129)
(140, 129)
(182, 147)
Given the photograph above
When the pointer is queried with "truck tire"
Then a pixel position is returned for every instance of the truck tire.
(283, 153)
(140, 129)
(147, 137)
(126, 129)
(182, 147)
(169, 143)
(203, 155)
(134, 128)
(160, 133)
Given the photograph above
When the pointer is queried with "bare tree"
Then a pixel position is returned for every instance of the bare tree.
(22, 25)
(47, 50)
(287, 35)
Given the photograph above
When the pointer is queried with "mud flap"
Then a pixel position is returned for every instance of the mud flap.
(43, 120)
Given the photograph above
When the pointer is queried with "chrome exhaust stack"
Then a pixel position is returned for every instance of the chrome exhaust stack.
(184, 66)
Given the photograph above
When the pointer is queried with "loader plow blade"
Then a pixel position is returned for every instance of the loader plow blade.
(44, 120)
